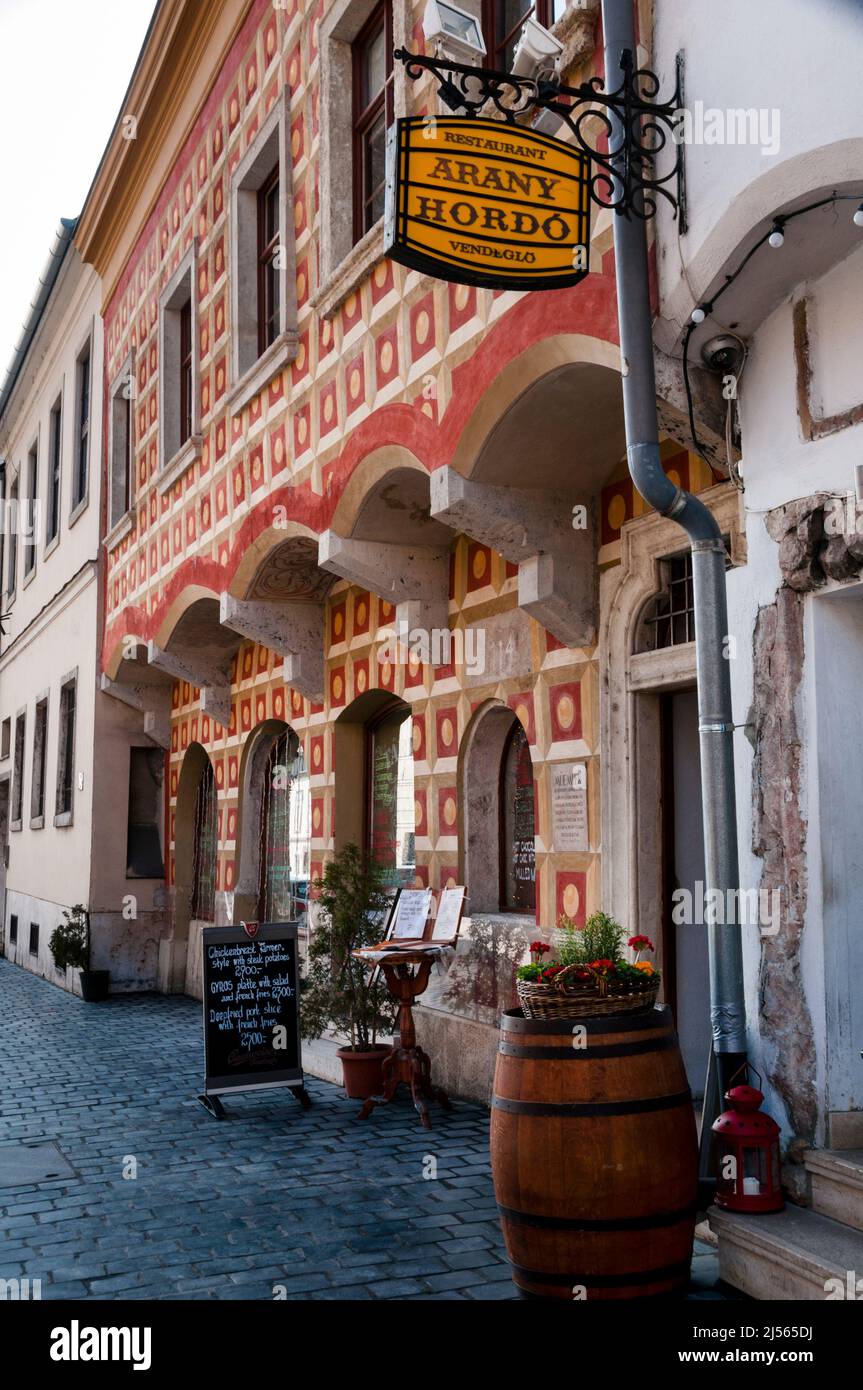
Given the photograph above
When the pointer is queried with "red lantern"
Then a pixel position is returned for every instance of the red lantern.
(747, 1153)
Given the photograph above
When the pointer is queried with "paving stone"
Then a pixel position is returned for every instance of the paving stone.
(276, 1196)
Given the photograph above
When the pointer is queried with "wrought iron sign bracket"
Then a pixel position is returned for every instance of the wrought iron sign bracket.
(623, 175)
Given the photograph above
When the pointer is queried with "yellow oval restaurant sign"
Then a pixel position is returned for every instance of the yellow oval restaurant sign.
(486, 203)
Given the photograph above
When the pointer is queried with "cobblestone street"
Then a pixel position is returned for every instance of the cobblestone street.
(271, 1196)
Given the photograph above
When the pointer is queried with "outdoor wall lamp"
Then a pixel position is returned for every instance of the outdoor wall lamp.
(537, 51)
(455, 34)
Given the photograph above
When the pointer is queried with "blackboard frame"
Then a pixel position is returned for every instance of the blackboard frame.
(237, 936)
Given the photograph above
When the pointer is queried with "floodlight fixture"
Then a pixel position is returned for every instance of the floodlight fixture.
(455, 33)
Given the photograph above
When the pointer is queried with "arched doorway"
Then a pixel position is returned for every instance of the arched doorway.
(275, 829)
(498, 812)
(195, 866)
(375, 805)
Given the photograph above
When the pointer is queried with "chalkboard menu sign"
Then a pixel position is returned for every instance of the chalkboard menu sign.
(251, 1009)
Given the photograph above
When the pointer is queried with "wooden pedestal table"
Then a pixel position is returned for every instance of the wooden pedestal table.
(407, 975)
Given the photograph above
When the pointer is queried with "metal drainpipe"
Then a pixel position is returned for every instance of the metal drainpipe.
(715, 722)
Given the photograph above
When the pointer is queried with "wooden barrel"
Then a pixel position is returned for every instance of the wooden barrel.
(594, 1155)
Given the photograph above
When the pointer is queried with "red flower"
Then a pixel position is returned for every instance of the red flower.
(602, 967)
(550, 973)
(637, 943)
(538, 948)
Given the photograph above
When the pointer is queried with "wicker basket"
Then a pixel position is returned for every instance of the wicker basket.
(564, 997)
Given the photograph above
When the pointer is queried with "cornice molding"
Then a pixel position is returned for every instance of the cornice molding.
(187, 38)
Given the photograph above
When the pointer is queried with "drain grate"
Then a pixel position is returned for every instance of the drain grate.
(25, 1164)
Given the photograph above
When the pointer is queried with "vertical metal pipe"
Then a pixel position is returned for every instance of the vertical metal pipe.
(715, 721)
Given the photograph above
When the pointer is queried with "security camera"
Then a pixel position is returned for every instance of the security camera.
(725, 353)
(537, 51)
(454, 33)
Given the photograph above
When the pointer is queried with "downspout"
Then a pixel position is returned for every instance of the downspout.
(715, 721)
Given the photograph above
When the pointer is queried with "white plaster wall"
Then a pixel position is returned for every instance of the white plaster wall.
(796, 56)
(778, 463)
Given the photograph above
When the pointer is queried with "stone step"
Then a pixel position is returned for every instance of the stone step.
(837, 1184)
(788, 1254)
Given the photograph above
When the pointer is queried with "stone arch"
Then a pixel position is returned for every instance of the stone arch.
(279, 563)
(387, 464)
(480, 793)
(188, 601)
(560, 372)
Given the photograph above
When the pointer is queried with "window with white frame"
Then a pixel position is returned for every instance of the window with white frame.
(18, 770)
(30, 510)
(179, 374)
(263, 279)
(121, 445)
(66, 750)
(12, 522)
(55, 448)
(80, 477)
(40, 752)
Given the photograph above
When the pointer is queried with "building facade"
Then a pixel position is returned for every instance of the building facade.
(60, 799)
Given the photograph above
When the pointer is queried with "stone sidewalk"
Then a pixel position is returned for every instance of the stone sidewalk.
(311, 1201)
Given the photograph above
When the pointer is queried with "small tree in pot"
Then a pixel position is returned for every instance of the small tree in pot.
(339, 991)
(70, 946)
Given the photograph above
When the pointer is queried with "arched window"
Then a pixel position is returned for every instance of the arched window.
(391, 815)
(496, 791)
(516, 819)
(205, 848)
(285, 833)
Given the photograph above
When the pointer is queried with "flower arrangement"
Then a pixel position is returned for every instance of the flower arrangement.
(591, 963)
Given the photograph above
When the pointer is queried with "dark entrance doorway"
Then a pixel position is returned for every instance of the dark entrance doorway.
(685, 958)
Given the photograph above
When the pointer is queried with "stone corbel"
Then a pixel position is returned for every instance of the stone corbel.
(212, 679)
(152, 701)
(534, 530)
(294, 629)
(413, 577)
(708, 404)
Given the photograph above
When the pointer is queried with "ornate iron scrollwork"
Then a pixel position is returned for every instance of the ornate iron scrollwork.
(622, 132)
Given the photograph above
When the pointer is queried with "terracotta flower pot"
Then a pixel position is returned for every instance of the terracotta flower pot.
(362, 1071)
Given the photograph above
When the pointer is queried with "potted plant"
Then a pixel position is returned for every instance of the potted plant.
(70, 945)
(591, 975)
(339, 991)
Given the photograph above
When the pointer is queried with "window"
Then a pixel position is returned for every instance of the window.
(205, 847)
(186, 371)
(497, 812)
(4, 521)
(30, 511)
(18, 771)
(12, 517)
(263, 270)
(13, 929)
(518, 856)
(285, 833)
(37, 782)
(503, 21)
(66, 752)
(82, 428)
(179, 411)
(34, 938)
(121, 447)
(55, 446)
(268, 274)
(5, 738)
(373, 113)
(144, 826)
(669, 617)
(390, 793)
